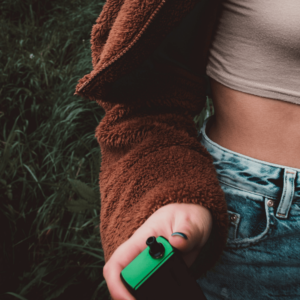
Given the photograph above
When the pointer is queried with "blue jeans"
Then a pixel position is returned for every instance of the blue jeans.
(262, 256)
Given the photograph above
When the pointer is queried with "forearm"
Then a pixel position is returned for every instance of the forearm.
(157, 164)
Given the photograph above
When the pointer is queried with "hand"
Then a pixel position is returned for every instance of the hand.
(194, 220)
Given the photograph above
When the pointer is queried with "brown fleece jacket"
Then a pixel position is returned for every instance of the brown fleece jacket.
(149, 59)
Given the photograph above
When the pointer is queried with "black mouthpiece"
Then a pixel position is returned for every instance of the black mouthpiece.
(157, 250)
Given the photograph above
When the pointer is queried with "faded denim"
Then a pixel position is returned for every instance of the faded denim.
(262, 257)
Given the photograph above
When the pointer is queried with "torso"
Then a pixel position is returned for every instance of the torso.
(262, 128)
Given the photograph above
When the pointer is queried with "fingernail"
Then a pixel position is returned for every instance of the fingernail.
(180, 234)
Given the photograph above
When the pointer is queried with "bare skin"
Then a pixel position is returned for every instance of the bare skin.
(262, 128)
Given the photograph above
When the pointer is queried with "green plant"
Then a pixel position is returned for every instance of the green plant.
(50, 159)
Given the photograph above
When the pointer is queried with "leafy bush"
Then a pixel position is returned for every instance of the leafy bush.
(50, 160)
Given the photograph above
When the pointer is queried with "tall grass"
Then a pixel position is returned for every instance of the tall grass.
(50, 159)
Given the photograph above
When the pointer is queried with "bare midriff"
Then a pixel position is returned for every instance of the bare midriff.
(262, 128)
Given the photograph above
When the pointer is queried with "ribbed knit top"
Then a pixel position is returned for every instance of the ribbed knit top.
(256, 48)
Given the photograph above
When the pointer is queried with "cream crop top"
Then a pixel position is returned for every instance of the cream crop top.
(256, 48)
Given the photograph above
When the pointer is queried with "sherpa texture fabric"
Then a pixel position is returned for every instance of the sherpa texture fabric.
(150, 153)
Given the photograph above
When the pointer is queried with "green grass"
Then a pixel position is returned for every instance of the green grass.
(49, 157)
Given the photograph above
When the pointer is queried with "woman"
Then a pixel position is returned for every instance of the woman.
(156, 180)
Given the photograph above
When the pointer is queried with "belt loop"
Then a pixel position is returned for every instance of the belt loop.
(199, 136)
(287, 194)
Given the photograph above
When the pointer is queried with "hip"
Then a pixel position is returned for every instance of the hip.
(261, 259)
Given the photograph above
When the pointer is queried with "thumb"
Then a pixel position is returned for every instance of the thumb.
(180, 241)
(187, 243)
(190, 232)
(185, 239)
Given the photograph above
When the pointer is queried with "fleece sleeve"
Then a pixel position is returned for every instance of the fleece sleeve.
(148, 140)
(150, 158)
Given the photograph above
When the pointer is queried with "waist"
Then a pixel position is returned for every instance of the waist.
(261, 128)
(247, 173)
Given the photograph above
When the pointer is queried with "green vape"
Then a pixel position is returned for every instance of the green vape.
(159, 272)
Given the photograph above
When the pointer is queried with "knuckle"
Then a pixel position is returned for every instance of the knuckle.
(105, 270)
(187, 218)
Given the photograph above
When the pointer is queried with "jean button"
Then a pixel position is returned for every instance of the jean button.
(270, 203)
(233, 218)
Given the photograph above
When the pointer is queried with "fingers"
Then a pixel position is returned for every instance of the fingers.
(113, 268)
(123, 255)
(116, 288)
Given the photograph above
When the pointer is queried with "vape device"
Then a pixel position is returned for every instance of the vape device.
(160, 273)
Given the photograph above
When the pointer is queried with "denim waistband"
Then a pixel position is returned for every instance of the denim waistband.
(250, 174)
